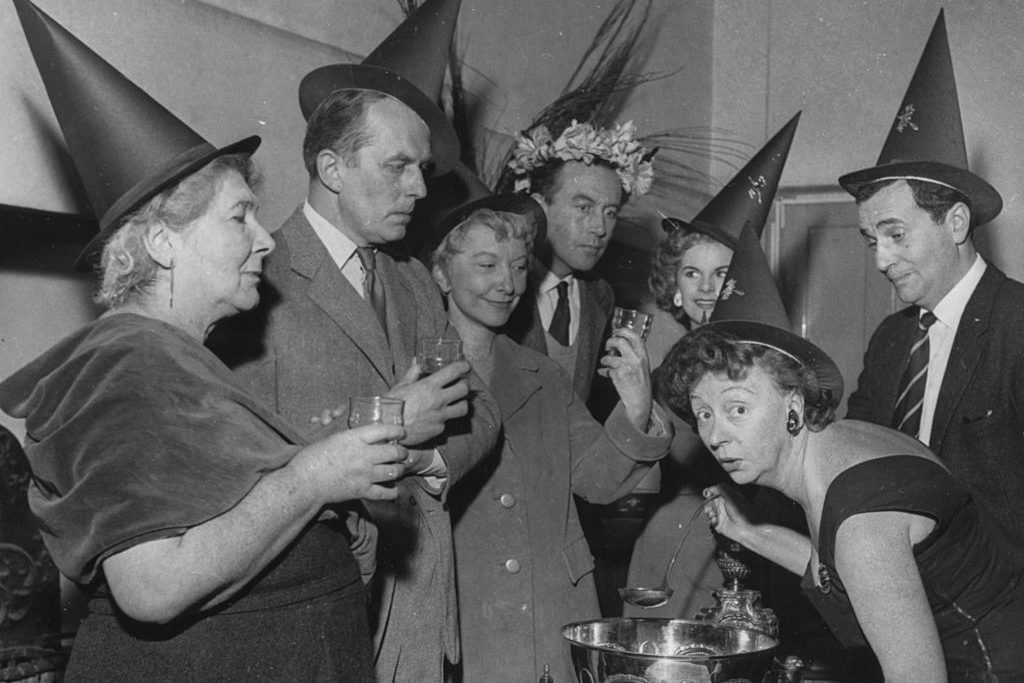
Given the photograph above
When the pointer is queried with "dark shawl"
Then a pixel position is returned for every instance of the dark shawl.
(135, 431)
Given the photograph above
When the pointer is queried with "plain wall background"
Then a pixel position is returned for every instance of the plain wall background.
(739, 68)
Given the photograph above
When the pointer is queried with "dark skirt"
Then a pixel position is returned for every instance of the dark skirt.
(321, 640)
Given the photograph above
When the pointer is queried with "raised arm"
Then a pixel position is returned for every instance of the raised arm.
(158, 580)
(630, 372)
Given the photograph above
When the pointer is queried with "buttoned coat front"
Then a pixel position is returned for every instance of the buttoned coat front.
(318, 343)
(978, 428)
(524, 568)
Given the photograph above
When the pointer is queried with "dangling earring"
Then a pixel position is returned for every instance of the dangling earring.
(172, 284)
(793, 425)
(677, 299)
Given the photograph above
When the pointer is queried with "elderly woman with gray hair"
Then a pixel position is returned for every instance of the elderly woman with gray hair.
(198, 523)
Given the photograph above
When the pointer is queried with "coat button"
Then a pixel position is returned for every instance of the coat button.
(512, 566)
(507, 500)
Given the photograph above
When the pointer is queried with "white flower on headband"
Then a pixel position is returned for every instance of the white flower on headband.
(582, 142)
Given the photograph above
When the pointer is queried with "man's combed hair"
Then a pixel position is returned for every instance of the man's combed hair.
(338, 123)
(710, 351)
(544, 179)
(936, 199)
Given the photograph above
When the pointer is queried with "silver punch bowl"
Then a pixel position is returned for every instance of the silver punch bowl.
(621, 650)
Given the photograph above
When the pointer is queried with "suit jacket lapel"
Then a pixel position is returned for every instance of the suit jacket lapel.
(965, 353)
(524, 326)
(895, 363)
(329, 290)
(401, 302)
(588, 343)
(515, 377)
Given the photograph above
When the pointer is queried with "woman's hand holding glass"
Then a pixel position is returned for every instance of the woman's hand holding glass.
(353, 464)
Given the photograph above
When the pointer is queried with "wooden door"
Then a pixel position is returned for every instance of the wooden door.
(834, 294)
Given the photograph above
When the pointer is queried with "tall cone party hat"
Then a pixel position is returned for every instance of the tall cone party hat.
(409, 65)
(125, 145)
(750, 308)
(926, 140)
(748, 197)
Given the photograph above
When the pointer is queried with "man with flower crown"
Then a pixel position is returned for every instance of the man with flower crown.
(582, 178)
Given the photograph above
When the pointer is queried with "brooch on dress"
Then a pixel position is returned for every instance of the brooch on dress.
(824, 579)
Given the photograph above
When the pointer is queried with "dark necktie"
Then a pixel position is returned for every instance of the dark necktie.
(907, 415)
(559, 328)
(373, 288)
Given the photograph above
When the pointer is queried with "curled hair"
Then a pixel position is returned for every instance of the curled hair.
(545, 180)
(663, 280)
(503, 224)
(933, 198)
(711, 351)
(338, 123)
(127, 270)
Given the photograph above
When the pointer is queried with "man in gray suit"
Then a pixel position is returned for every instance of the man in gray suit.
(344, 311)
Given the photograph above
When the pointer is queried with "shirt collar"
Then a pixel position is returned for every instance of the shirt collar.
(951, 308)
(546, 280)
(338, 244)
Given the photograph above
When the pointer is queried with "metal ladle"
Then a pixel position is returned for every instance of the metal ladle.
(649, 598)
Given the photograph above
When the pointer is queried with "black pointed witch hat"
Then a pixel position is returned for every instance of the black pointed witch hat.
(408, 65)
(926, 140)
(126, 146)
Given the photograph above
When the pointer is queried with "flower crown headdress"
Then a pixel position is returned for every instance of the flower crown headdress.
(617, 146)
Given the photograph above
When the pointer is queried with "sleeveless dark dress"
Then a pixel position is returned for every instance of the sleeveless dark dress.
(972, 584)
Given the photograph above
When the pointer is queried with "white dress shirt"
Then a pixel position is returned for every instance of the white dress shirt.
(940, 340)
(339, 246)
(547, 299)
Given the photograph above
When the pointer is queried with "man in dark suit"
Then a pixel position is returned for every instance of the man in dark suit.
(344, 311)
(919, 207)
(566, 311)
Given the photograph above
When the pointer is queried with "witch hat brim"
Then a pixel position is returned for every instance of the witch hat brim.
(750, 308)
(475, 195)
(126, 146)
(748, 196)
(670, 224)
(321, 82)
(170, 174)
(409, 65)
(986, 202)
(926, 140)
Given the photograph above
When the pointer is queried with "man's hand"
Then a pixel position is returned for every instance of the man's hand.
(432, 400)
(630, 372)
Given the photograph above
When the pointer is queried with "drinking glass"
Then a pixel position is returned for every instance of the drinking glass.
(434, 353)
(369, 410)
(638, 321)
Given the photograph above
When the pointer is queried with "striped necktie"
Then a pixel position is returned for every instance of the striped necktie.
(906, 416)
